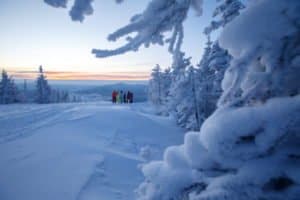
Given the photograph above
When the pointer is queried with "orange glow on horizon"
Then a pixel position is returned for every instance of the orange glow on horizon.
(62, 75)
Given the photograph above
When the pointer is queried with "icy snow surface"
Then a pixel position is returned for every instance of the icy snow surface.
(78, 151)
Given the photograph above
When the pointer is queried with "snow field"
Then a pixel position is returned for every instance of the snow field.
(78, 151)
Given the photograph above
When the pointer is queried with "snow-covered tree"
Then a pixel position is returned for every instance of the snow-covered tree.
(43, 90)
(155, 86)
(204, 84)
(219, 62)
(24, 92)
(257, 124)
(189, 107)
(65, 97)
(4, 93)
(8, 89)
(219, 58)
(215, 60)
(179, 99)
(166, 85)
(210, 75)
(174, 92)
(159, 87)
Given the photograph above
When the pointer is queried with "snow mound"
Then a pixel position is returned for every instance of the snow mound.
(226, 154)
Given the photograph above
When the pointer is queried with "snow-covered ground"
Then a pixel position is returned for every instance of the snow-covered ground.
(78, 151)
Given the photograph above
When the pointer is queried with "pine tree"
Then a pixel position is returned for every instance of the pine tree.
(43, 90)
(13, 91)
(191, 103)
(64, 96)
(24, 92)
(204, 84)
(166, 77)
(212, 73)
(155, 86)
(4, 93)
(8, 90)
(180, 88)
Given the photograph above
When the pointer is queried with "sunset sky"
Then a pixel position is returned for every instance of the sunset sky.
(33, 33)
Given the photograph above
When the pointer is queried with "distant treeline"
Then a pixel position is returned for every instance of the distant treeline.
(43, 93)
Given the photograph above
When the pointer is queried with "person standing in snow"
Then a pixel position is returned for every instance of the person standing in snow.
(121, 96)
(113, 96)
(129, 97)
(118, 97)
(125, 98)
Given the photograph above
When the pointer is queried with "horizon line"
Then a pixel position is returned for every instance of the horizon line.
(84, 76)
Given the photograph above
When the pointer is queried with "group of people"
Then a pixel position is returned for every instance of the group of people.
(122, 97)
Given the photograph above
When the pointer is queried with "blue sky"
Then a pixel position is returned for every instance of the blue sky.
(33, 33)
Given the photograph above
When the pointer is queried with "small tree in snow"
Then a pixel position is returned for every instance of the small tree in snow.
(166, 84)
(189, 107)
(8, 89)
(210, 75)
(155, 86)
(4, 85)
(180, 88)
(43, 90)
(159, 87)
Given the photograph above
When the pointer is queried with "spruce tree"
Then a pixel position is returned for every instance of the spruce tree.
(43, 90)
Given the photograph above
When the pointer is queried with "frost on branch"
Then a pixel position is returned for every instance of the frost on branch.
(57, 3)
(145, 28)
(149, 27)
(226, 11)
(265, 60)
(80, 9)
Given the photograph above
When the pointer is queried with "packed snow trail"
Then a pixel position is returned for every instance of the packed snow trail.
(78, 151)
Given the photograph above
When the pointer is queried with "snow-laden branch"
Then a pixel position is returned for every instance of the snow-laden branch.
(150, 26)
(227, 10)
(147, 28)
(80, 9)
(57, 3)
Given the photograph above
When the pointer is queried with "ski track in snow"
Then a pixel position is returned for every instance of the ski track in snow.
(81, 151)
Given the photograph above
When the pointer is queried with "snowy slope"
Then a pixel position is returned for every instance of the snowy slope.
(78, 151)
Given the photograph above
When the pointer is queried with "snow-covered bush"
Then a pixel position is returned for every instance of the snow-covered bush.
(225, 156)
(249, 148)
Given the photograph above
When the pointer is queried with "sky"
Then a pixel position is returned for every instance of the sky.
(32, 34)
